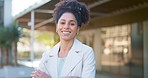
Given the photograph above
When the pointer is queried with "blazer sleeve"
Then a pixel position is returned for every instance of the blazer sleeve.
(41, 64)
(89, 67)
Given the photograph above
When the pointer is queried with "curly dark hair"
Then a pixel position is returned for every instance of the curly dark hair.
(79, 9)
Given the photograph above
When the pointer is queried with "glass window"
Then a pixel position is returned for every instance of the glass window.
(117, 55)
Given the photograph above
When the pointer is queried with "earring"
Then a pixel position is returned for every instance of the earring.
(77, 33)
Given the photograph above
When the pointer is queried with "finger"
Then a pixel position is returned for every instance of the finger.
(33, 74)
(36, 76)
(39, 72)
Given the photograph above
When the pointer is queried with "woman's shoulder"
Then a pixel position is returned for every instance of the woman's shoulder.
(51, 50)
(84, 46)
(46, 52)
(87, 51)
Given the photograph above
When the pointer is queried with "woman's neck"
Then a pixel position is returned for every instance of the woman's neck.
(65, 47)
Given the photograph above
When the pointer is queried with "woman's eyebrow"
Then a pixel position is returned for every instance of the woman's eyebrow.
(62, 19)
(72, 21)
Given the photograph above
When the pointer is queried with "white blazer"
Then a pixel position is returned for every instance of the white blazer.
(79, 62)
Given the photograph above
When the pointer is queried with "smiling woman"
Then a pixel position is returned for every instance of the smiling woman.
(67, 27)
(69, 58)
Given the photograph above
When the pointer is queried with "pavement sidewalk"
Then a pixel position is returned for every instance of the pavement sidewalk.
(25, 72)
(98, 75)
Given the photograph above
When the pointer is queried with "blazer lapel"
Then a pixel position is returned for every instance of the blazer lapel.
(73, 58)
(52, 60)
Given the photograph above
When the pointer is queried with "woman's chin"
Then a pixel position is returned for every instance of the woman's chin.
(67, 39)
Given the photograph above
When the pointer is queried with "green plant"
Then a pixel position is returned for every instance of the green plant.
(9, 34)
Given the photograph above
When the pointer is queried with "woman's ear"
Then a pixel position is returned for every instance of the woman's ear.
(78, 30)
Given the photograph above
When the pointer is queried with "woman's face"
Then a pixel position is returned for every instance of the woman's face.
(67, 26)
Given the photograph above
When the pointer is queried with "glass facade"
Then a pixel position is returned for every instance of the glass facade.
(1, 12)
(119, 55)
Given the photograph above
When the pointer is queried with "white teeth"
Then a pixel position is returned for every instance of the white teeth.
(66, 32)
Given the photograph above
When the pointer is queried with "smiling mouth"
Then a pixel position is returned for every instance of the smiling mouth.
(66, 32)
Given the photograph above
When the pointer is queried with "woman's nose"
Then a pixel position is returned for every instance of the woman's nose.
(66, 26)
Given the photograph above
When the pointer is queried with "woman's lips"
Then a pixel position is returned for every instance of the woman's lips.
(66, 32)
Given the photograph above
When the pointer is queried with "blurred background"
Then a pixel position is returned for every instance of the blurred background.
(117, 33)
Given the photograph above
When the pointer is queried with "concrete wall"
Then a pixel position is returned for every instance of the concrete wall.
(1, 12)
(145, 37)
(7, 12)
(136, 34)
(97, 48)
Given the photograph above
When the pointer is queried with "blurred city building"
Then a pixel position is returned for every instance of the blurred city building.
(5, 12)
(117, 31)
(5, 21)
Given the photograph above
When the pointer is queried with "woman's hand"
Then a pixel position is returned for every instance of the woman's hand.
(39, 74)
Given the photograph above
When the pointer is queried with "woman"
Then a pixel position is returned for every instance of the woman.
(69, 58)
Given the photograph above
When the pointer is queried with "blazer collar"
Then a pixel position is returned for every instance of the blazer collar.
(75, 48)
(52, 57)
(73, 58)
(55, 50)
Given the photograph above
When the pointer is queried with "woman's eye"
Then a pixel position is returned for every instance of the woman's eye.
(62, 22)
(72, 24)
